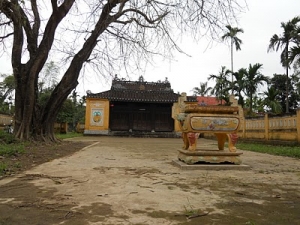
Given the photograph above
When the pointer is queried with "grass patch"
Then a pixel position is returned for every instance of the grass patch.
(6, 138)
(290, 151)
(68, 135)
(11, 149)
(9, 145)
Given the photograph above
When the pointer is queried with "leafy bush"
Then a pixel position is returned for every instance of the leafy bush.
(3, 168)
(9, 145)
(11, 149)
(6, 138)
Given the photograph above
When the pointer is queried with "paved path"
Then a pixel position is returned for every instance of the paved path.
(132, 181)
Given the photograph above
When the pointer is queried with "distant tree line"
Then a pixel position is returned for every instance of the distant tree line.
(282, 91)
(72, 111)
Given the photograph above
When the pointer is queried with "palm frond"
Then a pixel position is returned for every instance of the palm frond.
(294, 54)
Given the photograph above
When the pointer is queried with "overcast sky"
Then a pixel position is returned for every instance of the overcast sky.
(260, 22)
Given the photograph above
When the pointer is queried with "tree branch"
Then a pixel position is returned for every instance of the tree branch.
(150, 21)
(7, 35)
(54, 5)
(37, 20)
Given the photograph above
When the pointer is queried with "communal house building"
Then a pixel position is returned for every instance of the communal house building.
(135, 108)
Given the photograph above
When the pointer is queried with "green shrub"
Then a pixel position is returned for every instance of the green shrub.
(7, 138)
(11, 149)
(3, 168)
(9, 145)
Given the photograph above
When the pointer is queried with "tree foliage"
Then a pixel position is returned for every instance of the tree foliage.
(271, 100)
(103, 34)
(7, 87)
(278, 82)
(231, 34)
(202, 90)
(253, 79)
(48, 77)
(284, 41)
(239, 85)
(222, 87)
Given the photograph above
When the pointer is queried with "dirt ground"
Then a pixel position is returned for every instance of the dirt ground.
(117, 180)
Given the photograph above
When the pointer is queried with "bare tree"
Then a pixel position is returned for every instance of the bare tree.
(100, 33)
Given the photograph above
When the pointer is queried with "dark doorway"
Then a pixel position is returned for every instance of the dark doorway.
(144, 117)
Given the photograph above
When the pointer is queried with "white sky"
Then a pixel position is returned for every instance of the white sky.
(260, 23)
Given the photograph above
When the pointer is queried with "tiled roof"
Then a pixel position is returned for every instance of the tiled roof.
(191, 99)
(138, 85)
(137, 91)
(207, 100)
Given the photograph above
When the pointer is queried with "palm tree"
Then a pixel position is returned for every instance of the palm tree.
(239, 84)
(231, 34)
(290, 35)
(203, 90)
(253, 78)
(294, 54)
(271, 100)
(222, 84)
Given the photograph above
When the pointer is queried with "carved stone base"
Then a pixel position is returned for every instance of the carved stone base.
(209, 156)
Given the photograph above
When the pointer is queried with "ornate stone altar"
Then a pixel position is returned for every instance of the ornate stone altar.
(222, 121)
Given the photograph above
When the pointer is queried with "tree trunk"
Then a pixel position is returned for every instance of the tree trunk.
(231, 66)
(250, 103)
(31, 120)
(287, 110)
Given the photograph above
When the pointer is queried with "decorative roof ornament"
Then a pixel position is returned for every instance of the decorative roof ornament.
(138, 91)
(116, 77)
(141, 79)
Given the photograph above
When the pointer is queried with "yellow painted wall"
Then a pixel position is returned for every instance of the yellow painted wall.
(266, 128)
(286, 128)
(96, 116)
(175, 111)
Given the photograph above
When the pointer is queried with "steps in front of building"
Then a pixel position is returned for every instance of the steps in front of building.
(144, 134)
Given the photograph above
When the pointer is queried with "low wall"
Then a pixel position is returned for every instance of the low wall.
(5, 120)
(61, 128)
(266, 128)
(80, 128)
(269, 128)
(284, 128)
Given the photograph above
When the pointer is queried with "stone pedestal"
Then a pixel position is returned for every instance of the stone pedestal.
(209, 156)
